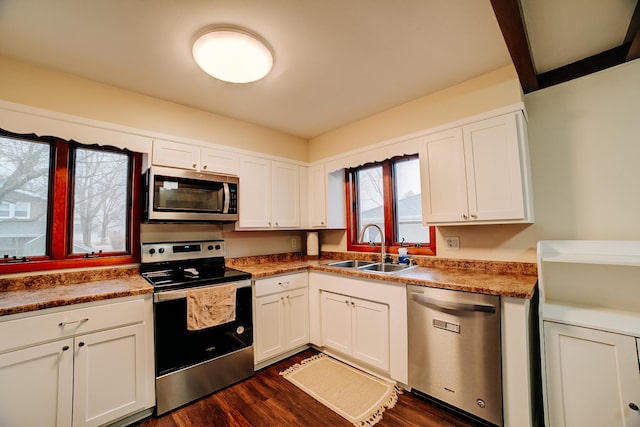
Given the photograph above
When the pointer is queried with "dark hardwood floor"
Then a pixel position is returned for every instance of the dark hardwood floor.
(267, 399)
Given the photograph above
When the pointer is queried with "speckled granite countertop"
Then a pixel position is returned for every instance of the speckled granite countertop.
(516, 280)
(21, 294)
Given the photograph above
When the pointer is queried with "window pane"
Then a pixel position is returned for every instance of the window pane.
(409, 203)
(100, 201)
(370, 202)
(24, 191)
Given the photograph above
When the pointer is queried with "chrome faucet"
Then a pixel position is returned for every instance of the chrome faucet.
(381, 239)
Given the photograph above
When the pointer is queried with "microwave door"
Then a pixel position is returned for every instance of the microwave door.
(190, 197)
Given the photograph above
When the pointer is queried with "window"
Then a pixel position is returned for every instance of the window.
(64, 204)
(387, 194)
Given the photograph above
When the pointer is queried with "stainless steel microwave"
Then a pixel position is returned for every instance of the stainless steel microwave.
(175, 195)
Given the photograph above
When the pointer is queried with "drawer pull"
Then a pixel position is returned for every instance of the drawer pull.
(65, 348)
(63, 324)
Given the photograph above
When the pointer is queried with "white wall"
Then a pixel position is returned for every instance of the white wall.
(584, 142)
(584, 137)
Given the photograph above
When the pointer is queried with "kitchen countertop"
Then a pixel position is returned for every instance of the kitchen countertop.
(19, 294)
(22, 294)
(504, 279)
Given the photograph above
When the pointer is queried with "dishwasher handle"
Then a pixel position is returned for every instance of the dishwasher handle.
(451, 305)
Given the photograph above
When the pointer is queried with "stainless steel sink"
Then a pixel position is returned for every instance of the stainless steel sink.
(385, 268)
(352, 263)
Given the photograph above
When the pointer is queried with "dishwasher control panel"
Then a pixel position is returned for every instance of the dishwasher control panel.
(447, 326)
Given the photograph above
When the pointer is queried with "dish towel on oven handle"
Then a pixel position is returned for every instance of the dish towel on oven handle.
(211, 306)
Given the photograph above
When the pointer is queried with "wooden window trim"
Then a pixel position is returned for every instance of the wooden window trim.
(391, 247)
(60, 216)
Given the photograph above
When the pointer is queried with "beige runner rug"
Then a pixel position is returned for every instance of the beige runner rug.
(355, 395)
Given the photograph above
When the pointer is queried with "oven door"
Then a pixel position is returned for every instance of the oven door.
(177, 347)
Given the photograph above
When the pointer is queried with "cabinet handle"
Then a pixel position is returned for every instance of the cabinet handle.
(464, 216)
(81, 344)
(474, 216)
(194, 165)
(65, 348)
(284, 284)
(63, 324)
(276, 224)
(353, 304)
(321, 222)
(204, 167)
(346, 302)
(633, 406)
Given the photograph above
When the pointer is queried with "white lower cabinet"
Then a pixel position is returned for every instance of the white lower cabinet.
(281, 315)
(37, 385)
(109, 376)
(357, 328)
(97, 367)
(592, 377)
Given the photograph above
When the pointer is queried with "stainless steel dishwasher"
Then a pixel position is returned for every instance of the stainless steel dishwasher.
(454, 349)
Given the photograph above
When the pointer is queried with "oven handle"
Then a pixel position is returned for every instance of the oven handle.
(182, 293)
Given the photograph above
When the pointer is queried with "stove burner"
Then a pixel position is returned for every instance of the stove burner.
(168, 266)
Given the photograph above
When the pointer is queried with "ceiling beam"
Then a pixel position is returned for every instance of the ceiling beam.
(513, 31)
(633, 35)
(592, 64)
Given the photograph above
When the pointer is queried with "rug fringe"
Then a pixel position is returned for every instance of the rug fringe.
(377, 416)
(297, 366)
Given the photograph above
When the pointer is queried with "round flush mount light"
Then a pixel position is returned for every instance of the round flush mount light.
(232, 55)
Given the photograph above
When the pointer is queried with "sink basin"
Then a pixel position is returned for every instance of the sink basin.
(352, 263)
(385, 268)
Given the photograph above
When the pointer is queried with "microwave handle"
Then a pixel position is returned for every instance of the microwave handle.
(227, 196)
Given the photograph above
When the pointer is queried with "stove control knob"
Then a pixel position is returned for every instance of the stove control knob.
(161, 250)
(210, 247)
(152, 251)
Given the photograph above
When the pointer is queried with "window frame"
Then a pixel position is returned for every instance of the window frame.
(392, 243)
(60, 212)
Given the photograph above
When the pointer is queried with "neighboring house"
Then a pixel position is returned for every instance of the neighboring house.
(23, 224)
(409, 221)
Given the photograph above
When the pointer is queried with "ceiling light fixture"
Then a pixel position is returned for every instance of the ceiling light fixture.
(232, 55)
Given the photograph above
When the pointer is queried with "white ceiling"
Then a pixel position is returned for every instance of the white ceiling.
(336, 61)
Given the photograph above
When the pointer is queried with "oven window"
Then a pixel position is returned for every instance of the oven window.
(177, 347)
(187, 195)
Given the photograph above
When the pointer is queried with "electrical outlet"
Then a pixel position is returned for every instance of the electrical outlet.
(453, 243)
(294, 243)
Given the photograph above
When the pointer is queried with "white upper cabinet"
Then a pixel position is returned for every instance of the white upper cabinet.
(269, 194)
(193, 157)
(285, 202)
(325, 198)
(317, 197)
(254, 204)
(477, 173)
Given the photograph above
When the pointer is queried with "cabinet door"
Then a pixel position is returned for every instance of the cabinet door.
(255, 193)
(370, 332)
(218, 161)
(336, 322)
(269, 326)
(494, 173)
(591, 377)
(297, 318)
(317, 196)
(444, 182)
(109, 375)
(285, 203)
(175, 154)
(36, 385)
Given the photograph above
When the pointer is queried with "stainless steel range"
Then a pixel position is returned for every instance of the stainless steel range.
(192, 362)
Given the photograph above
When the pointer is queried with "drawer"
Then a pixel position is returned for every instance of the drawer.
(275, 284)
(45, 326)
